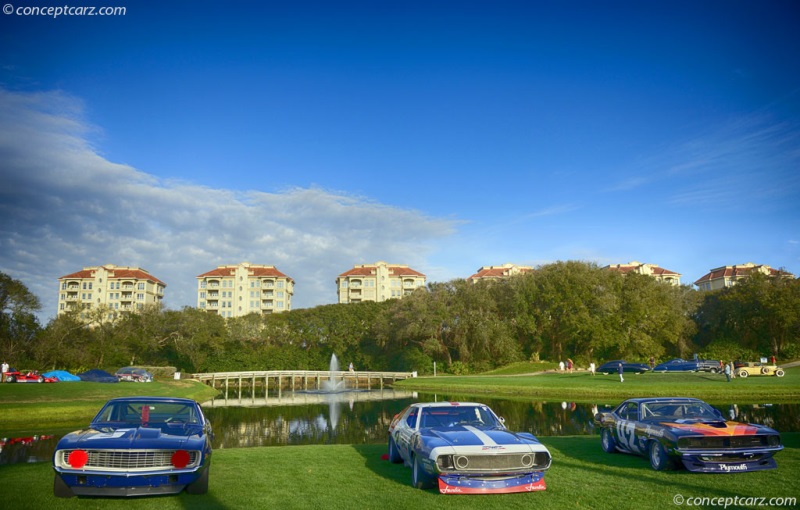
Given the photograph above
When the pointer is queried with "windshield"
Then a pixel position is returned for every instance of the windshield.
(478, 416)
(661, 411)
(144, 413)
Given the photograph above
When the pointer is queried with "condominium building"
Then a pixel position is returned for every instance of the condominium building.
(120, 289)
(727, 276)
(498, 272)
(238, 290)
(659, 273)
(377, 282)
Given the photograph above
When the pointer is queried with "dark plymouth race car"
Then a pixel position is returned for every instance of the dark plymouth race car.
(14, 375)
(673, 431)
(136, 446)
(466, 449)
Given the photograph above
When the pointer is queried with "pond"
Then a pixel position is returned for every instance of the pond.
(361, 417)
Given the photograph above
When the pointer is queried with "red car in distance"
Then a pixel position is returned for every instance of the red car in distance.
(14, 375)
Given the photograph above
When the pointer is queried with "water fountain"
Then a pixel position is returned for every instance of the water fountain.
(332, 385)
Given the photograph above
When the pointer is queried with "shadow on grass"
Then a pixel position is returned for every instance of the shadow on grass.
(587, 462)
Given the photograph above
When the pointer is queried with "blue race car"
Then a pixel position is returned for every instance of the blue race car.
(466, 449)
(679, 431)
(136, 446)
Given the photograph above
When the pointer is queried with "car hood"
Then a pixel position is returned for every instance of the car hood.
(715, 428)
(138, 437)
(478, 436)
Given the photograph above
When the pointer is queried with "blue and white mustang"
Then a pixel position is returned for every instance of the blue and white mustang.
(467, 448)
(136, 446)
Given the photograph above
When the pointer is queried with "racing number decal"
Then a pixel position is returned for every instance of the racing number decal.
(626, 435)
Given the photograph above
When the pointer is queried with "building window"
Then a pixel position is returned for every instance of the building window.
(140, 297)
(279, 304)
(203, 284)
(344, 284)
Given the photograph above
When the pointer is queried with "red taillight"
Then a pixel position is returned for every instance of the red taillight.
(180, 459)
(78, 458)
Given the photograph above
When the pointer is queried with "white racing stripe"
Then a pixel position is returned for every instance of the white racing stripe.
(485, 439)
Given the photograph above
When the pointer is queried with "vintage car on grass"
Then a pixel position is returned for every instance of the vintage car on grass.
(687, 431)
(136, 446)
(612, 367)
(466, 449)
(682, 365)
(133, 374)
(755, 368)
(33, 376)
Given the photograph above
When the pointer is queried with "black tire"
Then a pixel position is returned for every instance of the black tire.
(764, 370)
(743, 374)
(11, 378)
(419, 478)
(61, 489)
(780, 372)
(40, 379)
(713, 370)
(394, 453)
(659, 460)
(607, 441)
(199, 486)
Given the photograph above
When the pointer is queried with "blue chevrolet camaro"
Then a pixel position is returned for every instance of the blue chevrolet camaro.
(136, 446)
(464, 448)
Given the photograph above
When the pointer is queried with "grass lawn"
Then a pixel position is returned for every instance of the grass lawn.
(583, 387)
(355, 476)
(72, 405)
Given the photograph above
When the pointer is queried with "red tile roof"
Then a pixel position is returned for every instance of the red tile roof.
(258, 271)
(627, 268)
(116, 273)
(497, 272)
(393, 270)
(739, 271)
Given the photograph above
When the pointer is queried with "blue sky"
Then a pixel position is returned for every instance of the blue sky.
(444, 135)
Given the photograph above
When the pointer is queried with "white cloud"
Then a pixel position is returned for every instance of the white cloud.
(65, 207)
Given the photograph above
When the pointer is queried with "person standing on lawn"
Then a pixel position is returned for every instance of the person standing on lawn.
(620, 373)
(728, 371)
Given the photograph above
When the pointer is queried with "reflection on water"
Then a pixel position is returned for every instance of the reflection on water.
(364, 418)
(361, 417)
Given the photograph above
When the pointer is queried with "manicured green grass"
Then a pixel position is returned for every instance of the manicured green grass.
(583, 387)
(523, 367)
(72, 405)
(355, 476)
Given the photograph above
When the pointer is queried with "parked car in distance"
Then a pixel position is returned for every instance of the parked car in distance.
(682, 365)
(756, 368)
(687, 431)
(136, 446)
(467, 449)
(32, 376)
(133, 374)
(612, 367)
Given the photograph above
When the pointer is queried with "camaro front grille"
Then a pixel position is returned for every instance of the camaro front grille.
(512, 462)
(127, 460)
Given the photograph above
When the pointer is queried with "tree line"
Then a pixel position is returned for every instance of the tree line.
(562, 310)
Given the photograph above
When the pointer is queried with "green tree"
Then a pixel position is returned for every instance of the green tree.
(18, 323)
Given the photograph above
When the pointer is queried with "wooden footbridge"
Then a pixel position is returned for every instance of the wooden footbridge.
(291, 380)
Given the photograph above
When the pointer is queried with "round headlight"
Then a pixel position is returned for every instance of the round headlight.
(461, 462)
(526, 460)
(78, 458)
(180, 459)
